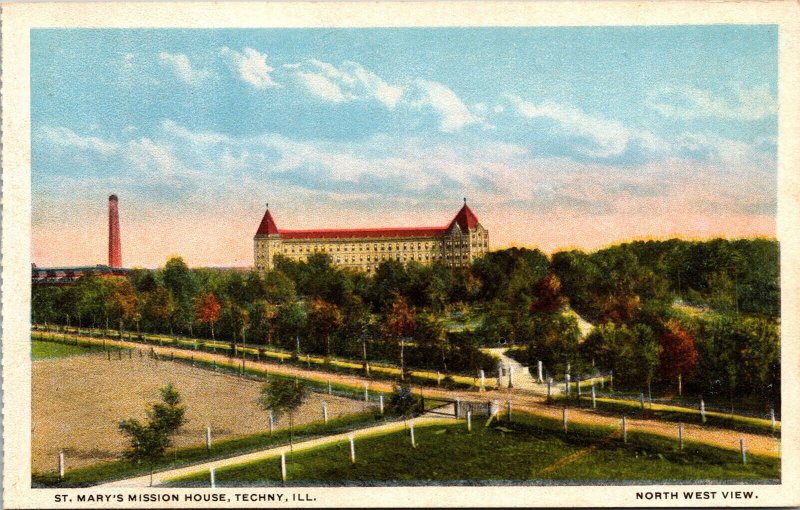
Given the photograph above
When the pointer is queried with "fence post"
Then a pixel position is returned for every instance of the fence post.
(366, 392)
(457, 407)
(510, 374)
(60, 464)
(624, 430)
(271, 422)
(483, 381)
(594, 398)
(702, 411)
(380, 402)
(499, 376)
(772, 418)
(411, 429)
(208, 437)
(213, 478)
(352, 450)
(680, 436)
(566, 383)
(325, 411)
(744, 452)
(508, 410)
(469, 420)
(329, 386)
(564, 417)
(283, 466)
(539, 378)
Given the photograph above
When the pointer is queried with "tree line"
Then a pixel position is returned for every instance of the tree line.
(726, 341)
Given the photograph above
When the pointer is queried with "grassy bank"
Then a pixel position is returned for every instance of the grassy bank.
(669, 413)
(46, 349)
(527, 450)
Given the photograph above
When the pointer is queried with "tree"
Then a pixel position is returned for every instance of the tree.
(399, 323)
(149, 440)
(403, 402)
(292, 320)
(324, 318)
(124, 302)
(207, 310)
(547, 295)
(283, 396)
(678, 353)
(180, 282)
(158, 307)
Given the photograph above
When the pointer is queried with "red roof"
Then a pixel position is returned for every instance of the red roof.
(267, 226)
(465, 218)
(363, 232)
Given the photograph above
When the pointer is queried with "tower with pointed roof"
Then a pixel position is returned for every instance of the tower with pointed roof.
(456, 244)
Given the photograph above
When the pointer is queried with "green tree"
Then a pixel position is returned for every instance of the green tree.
(283, 396)
(149, 440)
(403, 402)
(324, 318)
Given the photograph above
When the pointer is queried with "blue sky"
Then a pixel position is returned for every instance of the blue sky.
(559, 136)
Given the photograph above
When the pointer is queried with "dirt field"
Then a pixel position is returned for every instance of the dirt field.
(78, 401)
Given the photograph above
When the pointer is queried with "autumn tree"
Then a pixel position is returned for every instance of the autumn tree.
(678, 353)
(207, 310)
(124, 302)
(324, 318)
(399, 323)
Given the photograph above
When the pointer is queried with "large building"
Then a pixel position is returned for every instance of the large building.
(456, 244)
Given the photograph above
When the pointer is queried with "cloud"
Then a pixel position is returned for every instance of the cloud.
(65, 137)
(251, 67)
(180, 65)
(453, 113)
(348, 82)
(737, 103)
(599, 137)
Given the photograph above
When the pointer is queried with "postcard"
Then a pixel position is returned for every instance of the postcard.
(400, 254)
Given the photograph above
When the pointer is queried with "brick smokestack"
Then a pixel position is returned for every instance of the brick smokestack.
(114, 244)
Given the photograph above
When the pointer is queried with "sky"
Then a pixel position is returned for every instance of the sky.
(559, 137)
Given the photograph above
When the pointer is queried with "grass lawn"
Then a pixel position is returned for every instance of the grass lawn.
(43, 350)
(528, 450)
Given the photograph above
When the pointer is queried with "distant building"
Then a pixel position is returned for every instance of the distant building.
(70, 275)
(456, 244)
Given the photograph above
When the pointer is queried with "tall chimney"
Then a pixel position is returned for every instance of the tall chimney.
(114, 245)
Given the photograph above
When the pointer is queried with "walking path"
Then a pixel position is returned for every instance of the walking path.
(521, 377)
(535, 403)
(164, 476)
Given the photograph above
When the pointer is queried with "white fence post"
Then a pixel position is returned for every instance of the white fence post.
(624, 430)
(564, 417)
(594, 398)
(702, 411)
(329, 387)
(283, 466)
(325, 411)
(366, 392)
(539, 379)
(352, 450)
(469, 421)
(208, 437)
(61, 464)
(510, 375)
(212, 474)
(271, 422)
(772, 418)
(566, 383)
(744, 452)
(380, 402)
(411, 428)
(483, 380)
